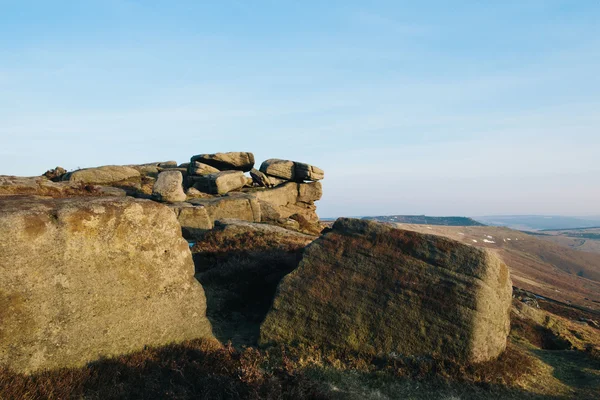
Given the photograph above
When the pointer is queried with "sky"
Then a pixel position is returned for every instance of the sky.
(410, 107)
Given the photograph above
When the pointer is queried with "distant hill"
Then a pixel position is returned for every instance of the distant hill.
(539, 222)
(427, 220)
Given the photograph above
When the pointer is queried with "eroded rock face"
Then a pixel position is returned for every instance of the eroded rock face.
(168, 187)
(84, 278)
(368, 287)
(239, 161)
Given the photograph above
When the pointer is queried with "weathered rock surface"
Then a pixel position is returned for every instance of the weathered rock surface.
(277, 205)
(307, 172)
(220, 182)
(239, 161)
(283, 169)
(263, 180)
(41, 186)
(194, 220)
(108, 174)
(291, 170)
(198, 168)
(84, 278)
(240, 206)
(168, 187)
(291, 198)
(370, 288)
(234, 227)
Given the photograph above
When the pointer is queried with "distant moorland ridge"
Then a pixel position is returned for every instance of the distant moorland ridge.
(426, 220)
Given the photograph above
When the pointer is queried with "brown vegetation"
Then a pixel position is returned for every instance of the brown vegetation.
(240, 273)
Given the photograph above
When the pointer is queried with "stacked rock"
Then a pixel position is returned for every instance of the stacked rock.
(220, 173)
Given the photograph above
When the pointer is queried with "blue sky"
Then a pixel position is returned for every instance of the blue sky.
(429, 107)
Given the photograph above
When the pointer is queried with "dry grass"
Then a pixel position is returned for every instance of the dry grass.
(207, 370)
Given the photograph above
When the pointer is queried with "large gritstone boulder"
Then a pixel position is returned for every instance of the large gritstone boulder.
(291, 170)
(104, 175)
(168, 187)
(84, 278)
(369, 288)
(239, 161)
(220, 182)
(289, 199)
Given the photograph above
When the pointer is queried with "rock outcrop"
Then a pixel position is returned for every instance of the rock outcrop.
(168, 187)
(84, 278)
(284, 194)
(276, 206)
(55, 174)
(369, 288)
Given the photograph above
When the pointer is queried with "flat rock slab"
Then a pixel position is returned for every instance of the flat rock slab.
(291, 170)
(103, 175)
(368, 288)
(85, 278)
(238, 161)
(41, 186)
